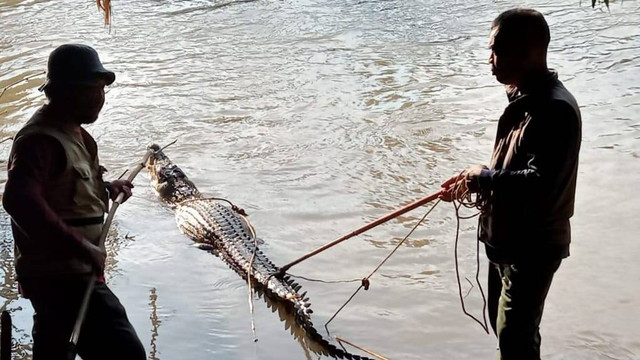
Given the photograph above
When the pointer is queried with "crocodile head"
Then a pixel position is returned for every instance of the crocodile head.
(168, 179)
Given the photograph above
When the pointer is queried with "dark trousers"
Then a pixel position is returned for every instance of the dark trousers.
(516, 298)
(105, 334)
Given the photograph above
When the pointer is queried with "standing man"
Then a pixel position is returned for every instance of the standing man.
(529, 187)
(57, 199)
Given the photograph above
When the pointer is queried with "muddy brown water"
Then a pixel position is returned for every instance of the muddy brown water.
(317, 116)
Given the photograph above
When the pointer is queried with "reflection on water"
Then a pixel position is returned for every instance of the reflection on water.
(21, 344)
(155, 324)
(287, 316)
(315, 117)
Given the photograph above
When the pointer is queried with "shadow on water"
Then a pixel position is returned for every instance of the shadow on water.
(287, 316)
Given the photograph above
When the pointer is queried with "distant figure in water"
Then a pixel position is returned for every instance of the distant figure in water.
(528, 190)
(57, 199)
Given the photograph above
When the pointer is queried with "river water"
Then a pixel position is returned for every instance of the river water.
(316, 117)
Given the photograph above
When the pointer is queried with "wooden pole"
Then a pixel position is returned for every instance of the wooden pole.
(5, 336)
(369, 226)
(73, 341)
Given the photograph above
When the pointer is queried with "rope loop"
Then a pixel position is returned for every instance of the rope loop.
(234, 207)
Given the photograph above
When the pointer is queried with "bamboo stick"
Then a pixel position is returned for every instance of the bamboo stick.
(358, 231)
(73, 341)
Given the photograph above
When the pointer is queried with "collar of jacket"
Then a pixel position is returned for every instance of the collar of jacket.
(532, 85)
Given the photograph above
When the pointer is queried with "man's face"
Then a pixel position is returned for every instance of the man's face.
(506, 64)
(88, 100)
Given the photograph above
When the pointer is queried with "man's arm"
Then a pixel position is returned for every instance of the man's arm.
(36, 159)
(555, 139)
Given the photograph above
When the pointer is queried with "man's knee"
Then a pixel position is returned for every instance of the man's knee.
(520, 310)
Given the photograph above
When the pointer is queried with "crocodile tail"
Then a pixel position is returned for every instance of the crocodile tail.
(299, 323)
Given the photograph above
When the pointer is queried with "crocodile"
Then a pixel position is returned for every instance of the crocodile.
(224, 231)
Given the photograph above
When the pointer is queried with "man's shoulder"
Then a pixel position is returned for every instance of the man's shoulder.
(35, 145)
(559, 93)
(34, 138)
(556, 99)
(38, 124)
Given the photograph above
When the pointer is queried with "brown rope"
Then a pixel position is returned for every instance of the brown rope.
(479, 203)
(365, 281)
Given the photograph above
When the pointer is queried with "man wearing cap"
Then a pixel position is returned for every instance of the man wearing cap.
(57, 198)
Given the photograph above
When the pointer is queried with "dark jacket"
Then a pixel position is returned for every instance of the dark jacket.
(531, 183)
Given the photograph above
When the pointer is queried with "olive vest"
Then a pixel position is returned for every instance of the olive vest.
(76, 194)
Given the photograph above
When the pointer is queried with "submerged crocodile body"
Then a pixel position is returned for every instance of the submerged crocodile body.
(224, 231)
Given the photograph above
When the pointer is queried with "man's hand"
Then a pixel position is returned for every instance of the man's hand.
(95, 255)
(474, 171)
(120, 186)
(455, 188)
(451, 187)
